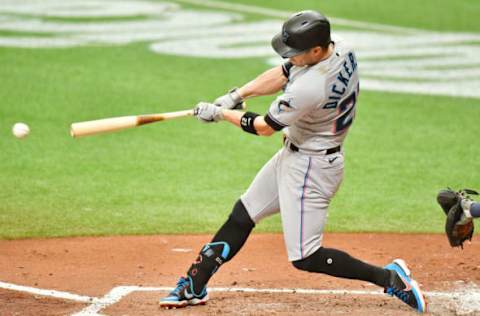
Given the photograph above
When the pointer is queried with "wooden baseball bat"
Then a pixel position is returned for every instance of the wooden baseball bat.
(86, 128)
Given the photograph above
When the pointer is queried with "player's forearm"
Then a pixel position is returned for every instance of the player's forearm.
(269, 82)
(234, 117)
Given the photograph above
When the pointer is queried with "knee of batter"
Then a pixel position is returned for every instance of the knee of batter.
(340, 264)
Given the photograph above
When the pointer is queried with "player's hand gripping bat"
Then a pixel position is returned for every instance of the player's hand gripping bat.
(118, 123)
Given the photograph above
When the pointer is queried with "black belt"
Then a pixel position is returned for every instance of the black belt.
(327, 152)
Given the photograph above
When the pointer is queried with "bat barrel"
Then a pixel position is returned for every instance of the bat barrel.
(118, 123)
(102, 126)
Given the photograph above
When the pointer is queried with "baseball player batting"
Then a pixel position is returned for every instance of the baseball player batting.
(320, 91)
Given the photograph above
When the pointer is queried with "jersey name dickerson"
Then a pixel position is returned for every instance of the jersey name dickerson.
(318, 103)
(340, 86)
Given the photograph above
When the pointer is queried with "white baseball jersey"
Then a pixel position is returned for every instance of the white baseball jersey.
(318, 103)
(315, 112)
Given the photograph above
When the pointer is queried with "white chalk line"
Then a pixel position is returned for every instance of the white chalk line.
(49, 293)
(116, 294)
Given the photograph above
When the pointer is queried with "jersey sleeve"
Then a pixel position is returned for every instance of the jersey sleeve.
(291, 106)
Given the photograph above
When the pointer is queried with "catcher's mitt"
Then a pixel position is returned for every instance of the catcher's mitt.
(458, 226)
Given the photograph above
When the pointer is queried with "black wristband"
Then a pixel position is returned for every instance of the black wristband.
(246, 122)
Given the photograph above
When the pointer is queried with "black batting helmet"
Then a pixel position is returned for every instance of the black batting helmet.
(302, 31)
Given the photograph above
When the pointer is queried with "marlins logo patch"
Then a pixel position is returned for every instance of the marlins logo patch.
(284, 106)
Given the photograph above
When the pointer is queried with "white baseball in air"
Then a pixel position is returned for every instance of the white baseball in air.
(20, 130)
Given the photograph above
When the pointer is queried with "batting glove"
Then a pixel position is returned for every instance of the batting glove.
(208, 112)
(231, 100)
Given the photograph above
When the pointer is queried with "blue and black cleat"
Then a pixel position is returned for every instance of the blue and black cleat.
(404, 287)
(183, 296)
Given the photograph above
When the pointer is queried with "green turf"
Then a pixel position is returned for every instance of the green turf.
(439, 15)
(182, 176)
